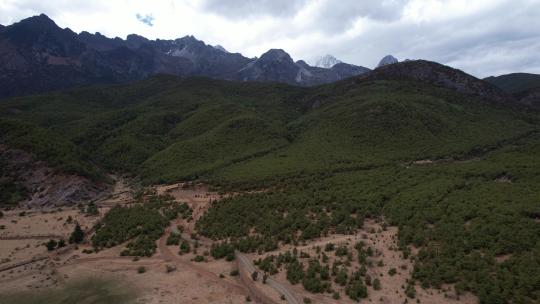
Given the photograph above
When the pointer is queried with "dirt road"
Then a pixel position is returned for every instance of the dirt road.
(245, 262)
(167, 255)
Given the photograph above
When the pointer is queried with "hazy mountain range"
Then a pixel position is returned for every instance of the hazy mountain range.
(36, 55)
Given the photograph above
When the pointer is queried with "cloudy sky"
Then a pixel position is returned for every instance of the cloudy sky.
(482, 37)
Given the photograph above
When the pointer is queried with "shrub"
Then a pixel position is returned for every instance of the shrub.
(77, 236)
(184, 247)
(141, 269)
(341, 251)
(51, 245)
(173, 239)
(198, 258)
(376, 284)
(410, 291)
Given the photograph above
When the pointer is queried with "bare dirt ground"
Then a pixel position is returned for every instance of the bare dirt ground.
(384, 245)
(189, 281)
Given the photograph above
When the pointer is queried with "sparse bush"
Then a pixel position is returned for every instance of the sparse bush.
(51, 245)
(198, 258)
(341, 251)
(376, 284)
(141, 269)
(184, 247)
(329, 247)
(173, 239)
(410, 291)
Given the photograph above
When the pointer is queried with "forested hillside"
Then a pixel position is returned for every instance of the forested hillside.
(457, 174)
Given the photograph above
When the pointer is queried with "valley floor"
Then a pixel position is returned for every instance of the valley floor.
(170, 277)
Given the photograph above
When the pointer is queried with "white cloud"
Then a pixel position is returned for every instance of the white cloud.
(482, 37)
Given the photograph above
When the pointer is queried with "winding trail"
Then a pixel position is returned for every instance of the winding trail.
(245, 262)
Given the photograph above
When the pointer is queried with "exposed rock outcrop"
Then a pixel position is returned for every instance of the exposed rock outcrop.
(47, 187)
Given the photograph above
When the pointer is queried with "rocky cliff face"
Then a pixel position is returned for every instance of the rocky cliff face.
(44, 186)
(36, 56)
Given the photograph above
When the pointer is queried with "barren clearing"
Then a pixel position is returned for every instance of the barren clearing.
(186, 281)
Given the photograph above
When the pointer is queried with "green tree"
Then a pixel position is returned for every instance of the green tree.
(341, 277)
(356, 290)
(77, 236)
(295, 272)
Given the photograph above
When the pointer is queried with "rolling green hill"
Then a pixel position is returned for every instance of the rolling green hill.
(515, 83)
(166, 129)
(329, 156)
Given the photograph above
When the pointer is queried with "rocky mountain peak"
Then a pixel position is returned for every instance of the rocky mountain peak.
(45, 49)
(276, 55)
(386, 60)
(326, 61)
(40, 20)
(135, 41)
(219, 47)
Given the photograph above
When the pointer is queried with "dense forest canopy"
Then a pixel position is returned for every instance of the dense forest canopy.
(457, 175)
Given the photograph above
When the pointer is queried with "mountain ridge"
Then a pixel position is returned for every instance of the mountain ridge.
(38, 56)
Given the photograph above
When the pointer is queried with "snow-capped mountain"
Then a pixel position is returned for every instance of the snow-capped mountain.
(51, 58)
(326, 61)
